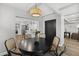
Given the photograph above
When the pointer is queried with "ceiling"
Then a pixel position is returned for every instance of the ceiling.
(69, 10)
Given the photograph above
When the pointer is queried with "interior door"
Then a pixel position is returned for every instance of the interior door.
(50, 31)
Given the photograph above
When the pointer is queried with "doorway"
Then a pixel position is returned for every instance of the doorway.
(50, 31)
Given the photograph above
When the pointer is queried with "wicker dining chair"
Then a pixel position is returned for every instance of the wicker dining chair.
(11, 47)
(54, 47)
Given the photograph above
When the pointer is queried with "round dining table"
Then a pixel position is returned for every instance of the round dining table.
(33, 46)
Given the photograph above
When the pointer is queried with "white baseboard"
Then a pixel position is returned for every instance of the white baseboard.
(3, 53)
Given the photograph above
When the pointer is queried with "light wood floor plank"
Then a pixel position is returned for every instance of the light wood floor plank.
(72, 47)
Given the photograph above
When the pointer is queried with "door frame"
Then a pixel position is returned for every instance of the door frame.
(50, 21)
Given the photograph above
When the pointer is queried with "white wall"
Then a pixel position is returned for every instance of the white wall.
(7, 24)
(72, 28)
(60, 28)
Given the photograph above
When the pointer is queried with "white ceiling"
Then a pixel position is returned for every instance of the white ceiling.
(69, 10)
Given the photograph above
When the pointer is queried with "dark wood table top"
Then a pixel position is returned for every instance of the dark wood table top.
(29, 45)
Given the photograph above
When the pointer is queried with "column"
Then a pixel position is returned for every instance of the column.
(60, 28)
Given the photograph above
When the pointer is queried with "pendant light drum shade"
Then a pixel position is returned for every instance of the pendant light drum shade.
(35, 12)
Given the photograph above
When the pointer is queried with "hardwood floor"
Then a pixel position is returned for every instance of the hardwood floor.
(72, 47)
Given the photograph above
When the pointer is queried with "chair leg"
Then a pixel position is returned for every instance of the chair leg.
(56, 54)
